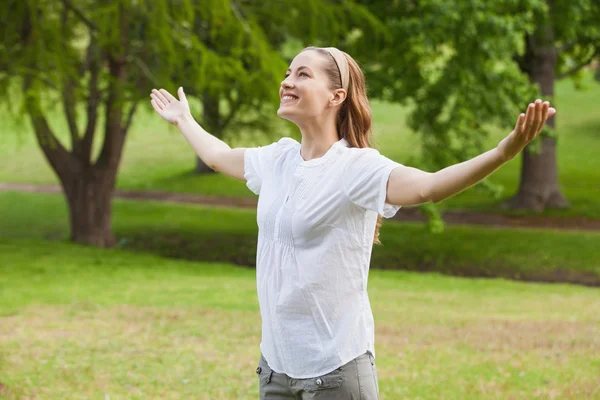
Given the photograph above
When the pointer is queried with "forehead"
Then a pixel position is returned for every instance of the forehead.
(310, 59)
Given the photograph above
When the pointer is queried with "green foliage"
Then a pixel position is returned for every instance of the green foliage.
(227, 50)
(240, 47)
(457, 61)
(453, 59)
(461, 65)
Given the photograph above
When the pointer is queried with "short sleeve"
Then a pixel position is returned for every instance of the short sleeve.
(365, 181)
(258, 162)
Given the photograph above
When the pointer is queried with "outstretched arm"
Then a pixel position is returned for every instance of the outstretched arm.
(410, 186)
(212, 151)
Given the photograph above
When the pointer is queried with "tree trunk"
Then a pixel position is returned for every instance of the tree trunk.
(210, 121)
(539, 186)
(89, 198)
(88, 186)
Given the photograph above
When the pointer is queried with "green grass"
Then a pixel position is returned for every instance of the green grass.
(157, 157)
(229, 235)
(84, 323)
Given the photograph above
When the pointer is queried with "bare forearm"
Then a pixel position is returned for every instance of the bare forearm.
(206, 146)
(411, 186)
(456, 178)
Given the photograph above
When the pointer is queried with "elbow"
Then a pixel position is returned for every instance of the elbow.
(211, 162)
(433, 197)
(213, 166)
(428, 194)
(428, 198)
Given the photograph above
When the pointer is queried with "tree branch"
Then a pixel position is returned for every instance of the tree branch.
(76, 11)
(29, 71)
(146, 71)
(113, 132)
(93, 101)
(56, 154)
(69, 104)
(114, 137)
(577, 68)
(566, 47)
(129, 119)
(234, 108)
(68, 92)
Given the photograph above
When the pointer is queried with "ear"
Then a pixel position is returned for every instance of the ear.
(337, 97)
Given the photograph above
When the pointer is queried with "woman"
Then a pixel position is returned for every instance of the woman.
(319, 209)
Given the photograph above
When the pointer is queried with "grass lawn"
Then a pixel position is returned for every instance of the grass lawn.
(229, 235)
(84, 323)
(157, 157)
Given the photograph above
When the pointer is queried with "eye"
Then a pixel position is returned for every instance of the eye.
(300, 73)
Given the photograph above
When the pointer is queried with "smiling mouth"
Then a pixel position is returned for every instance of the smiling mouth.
(288, 99)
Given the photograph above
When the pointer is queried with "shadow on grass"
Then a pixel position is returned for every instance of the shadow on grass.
(215, 247)
(241, 250)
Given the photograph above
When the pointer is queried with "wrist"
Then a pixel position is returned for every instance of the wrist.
(183, 120)
(500, 155)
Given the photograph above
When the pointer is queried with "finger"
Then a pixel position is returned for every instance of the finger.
(530, 115)
(158, 101)
(181, 95)
(545, 107)
(519, 124)
(551, 112)
(537, 121)
(155, 106)
(167, 95)
(161, 97)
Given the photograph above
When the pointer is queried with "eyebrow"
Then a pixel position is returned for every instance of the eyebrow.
(299, 68)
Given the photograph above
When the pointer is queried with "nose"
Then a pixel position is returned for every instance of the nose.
(286, 84)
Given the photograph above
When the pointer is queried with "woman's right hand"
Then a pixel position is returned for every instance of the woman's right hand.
(168, 107)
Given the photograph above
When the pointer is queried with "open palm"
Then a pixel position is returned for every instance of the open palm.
(528, 127)
(168, 107)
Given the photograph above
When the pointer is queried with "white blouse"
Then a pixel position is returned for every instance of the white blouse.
(316, 224)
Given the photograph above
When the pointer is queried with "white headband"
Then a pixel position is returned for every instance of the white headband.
(342, 64)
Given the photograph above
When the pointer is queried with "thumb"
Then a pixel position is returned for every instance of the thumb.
(519, 124)
(181, 95)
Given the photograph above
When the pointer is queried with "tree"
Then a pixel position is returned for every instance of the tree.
(99, 59)
(566, 38)
(467, 65)
(89, 58)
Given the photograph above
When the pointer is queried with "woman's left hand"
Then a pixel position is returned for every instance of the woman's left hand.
(527, 128)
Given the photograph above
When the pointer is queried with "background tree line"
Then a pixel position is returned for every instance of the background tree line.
(463, 65)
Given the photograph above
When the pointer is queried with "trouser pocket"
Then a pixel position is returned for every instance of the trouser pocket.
(329, 381)
(263, 371)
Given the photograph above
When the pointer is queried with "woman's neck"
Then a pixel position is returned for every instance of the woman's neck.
(317, 138)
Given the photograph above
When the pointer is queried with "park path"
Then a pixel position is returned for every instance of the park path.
(453, 217)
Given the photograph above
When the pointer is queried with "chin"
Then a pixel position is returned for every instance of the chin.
(286, 114)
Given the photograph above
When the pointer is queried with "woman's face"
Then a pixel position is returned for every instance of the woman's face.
(305, 92)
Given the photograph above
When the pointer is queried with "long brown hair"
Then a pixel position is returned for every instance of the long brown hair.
(354, 120)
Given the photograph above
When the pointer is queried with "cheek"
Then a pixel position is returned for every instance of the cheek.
(317, 99)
